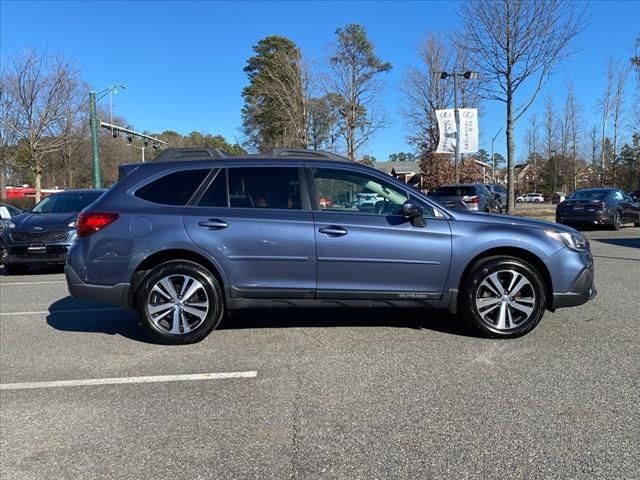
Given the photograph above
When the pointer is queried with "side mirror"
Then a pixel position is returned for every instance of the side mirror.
(26, 210)
(413, 212)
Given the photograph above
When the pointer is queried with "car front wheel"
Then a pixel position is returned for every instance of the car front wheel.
(179, 302)
(503, 297)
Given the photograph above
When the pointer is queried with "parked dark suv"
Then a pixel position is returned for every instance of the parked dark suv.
(196, 233)
(42, 235)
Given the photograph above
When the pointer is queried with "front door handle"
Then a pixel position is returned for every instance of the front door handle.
(333, 231)
(213, 224)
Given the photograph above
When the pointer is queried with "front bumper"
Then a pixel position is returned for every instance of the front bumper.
(113, 294)
(580, 293)
(55, 254)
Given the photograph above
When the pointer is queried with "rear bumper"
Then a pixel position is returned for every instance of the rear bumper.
(580, 293)
(584, 218)
(112, 294)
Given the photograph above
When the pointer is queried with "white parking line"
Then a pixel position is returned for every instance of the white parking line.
(124, 380)
(3, 284)
(54, 312)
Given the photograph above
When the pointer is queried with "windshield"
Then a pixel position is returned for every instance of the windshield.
(66, 202)
(589, 195)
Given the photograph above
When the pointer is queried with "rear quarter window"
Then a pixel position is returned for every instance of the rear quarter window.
(173, 189)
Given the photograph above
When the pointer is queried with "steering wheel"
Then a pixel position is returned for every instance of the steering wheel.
(381, 206)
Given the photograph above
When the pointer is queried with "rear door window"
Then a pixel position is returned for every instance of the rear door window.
(173, 189)
(264, 187)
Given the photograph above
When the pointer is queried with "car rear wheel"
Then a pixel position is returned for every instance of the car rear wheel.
(617, 221)
(503, 297)
(16, 268)
(179, 302)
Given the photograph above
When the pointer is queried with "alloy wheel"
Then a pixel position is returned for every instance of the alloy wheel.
(505, 299)
(177, 304)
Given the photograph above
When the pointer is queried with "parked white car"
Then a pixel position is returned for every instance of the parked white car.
(530, 198)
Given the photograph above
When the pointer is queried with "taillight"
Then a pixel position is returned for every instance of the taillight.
(473, 199)
(91, 222)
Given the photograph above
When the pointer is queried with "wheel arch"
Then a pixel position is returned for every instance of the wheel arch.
(164, 256)
(521, 254)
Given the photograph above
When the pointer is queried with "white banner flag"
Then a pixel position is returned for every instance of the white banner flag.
(447, 128)
(468, 130)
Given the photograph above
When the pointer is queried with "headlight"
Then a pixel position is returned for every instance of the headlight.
(9, 225)
(72, 224)
(574, 241)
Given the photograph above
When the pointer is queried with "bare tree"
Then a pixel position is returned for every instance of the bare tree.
(605, 105)
(620, 79)
(424, 93)
(8, 132)
(40, 86)
(286, 81)
(355, 70)
(515, 41)
(572, 113)
(549, 127)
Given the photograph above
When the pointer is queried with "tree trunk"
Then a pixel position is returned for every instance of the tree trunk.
(3, 175)
(38, 175)
(510, 153)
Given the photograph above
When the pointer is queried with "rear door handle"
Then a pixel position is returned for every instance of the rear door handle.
(213, 224)
(333, 231)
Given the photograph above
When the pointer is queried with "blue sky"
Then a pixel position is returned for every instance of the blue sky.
(182, 61)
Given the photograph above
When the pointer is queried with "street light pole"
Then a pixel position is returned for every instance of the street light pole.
(93, 121)
(456, 115)
(469, 75)
(493, 158)
(94, 124)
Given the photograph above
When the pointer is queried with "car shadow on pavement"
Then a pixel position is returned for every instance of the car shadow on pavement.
(71, 315)
(36, 270)
(418, 319)
(620, 242)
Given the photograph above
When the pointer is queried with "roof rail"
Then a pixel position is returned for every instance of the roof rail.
(176, 154)
(302, 153)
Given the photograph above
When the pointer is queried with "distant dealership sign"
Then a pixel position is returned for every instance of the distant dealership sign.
(448, 129)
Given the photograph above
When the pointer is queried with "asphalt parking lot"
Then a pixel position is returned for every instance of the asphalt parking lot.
(340, 394)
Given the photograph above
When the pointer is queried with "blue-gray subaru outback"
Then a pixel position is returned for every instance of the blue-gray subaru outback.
(196, 233)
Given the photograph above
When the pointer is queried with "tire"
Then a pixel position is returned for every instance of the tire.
(518, 200)
(179, 302)
(16, 268)
(617, 222)
(494, 315)
(537, 200)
